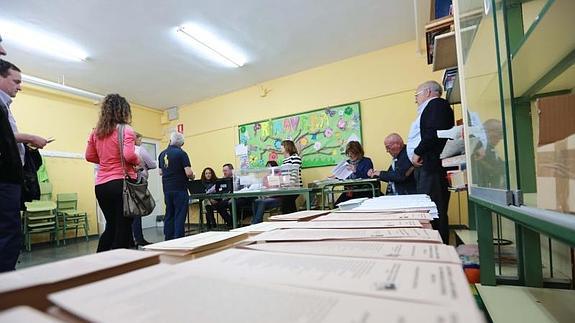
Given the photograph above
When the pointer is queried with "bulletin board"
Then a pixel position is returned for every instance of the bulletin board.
(320, 136)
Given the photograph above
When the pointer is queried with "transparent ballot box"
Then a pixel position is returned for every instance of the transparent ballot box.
(284, 176)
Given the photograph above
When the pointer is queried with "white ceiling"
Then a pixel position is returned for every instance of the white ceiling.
(132, 49)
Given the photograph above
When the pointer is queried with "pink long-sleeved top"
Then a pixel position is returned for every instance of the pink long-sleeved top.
(106, 153)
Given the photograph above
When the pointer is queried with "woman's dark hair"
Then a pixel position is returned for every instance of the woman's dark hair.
(289, 146)
(115, 110)
(355, 148)
(204, 179)
(272, 163)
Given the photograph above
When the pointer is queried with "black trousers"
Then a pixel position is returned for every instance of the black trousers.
(288, 204)
(435, 185)
(10, 227)
(118, 231)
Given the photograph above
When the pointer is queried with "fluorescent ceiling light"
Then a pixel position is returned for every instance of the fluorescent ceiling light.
(210, 45)
(40, 41)
(61, 87)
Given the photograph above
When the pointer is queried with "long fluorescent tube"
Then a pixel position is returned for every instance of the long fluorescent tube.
(211, 45)
(40, 41)
(60, 87)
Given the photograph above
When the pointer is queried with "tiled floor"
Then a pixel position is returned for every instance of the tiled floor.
(44, 253)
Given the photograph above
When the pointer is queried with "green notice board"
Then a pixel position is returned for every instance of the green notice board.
(319, 135)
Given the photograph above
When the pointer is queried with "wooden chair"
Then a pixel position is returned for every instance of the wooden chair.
(40, 217)
(69, 216)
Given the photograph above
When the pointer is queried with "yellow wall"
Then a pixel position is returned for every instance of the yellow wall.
(383, 81)
(69, 120)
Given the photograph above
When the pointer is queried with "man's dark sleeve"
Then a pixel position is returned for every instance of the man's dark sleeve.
(399, 174)
(437, 115)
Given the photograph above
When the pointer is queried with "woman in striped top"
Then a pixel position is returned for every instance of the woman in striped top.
(289, 151)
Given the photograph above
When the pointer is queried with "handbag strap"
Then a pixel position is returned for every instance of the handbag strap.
(121, 145)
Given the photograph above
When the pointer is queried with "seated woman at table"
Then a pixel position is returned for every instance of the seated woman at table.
(264, 204)
(359, 165)
(209, 180)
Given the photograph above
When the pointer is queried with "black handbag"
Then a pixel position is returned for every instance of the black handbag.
(135, 194)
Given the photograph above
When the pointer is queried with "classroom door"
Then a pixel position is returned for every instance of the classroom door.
(154, 184)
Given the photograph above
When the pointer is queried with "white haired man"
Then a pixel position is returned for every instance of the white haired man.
(424, 149)
(175, 169)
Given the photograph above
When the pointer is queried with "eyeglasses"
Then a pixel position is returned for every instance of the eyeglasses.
(418, 93)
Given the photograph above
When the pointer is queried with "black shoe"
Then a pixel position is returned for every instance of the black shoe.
(142, 243)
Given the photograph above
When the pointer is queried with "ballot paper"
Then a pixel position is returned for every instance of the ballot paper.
(366, 249)
(342, 170)
(184, 296)
(269, 226)
(299, 216)
(56, 272)
(197, 242)
(402, 234)
(265, 226)
(421, 282)
(25, 314)
(373, 216)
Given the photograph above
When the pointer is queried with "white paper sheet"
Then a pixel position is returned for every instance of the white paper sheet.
(403, 234)
(184, 296)
(25, 314)
(373, 216)
(423, 282)
(366, 249)
(196, 242)
(69, 268)
(298, 216)
(341, 170)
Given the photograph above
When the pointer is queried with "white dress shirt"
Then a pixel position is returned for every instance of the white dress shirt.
(414, 137)
(7, 100)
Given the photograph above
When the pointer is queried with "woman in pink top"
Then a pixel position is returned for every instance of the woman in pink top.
(103, 149)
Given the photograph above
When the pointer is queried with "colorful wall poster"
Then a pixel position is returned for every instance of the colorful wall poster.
(320, 136)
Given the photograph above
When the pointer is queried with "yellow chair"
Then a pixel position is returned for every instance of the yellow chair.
(69, 217)
(40, 217)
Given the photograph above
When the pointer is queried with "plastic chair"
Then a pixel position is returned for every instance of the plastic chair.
(45, 191)
(70, 218)
(40, 217)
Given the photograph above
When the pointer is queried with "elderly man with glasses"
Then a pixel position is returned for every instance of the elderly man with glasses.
(424, 149)
(399, 175)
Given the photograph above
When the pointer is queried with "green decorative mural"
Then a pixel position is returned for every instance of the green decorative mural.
(319, 135)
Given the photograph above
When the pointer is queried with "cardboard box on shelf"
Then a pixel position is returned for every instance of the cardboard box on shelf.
(556, 176)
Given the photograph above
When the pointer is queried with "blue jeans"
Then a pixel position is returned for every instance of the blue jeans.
(10, 227)
(137, 229)
(176, 207)
(261, 205)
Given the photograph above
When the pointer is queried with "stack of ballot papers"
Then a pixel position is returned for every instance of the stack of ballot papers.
(427, 252)
(401, 234)
(197, 243)
(30, 286)
(373, 216)
(298, 216)
(269, 226)
(258, 286)
(351, 204)
(25, 314)
(397, 203)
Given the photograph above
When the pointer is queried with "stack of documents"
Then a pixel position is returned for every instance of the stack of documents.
(298, 216)
(30, 286)
(397, 203)
(25, 314)
(197, 243)
(195, 293)
(404, 234)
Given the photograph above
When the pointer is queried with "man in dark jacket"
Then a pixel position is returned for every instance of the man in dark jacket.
(11, 161)
(399, 176)
(424, 148)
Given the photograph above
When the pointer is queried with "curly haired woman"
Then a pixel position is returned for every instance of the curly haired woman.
(103, 149)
